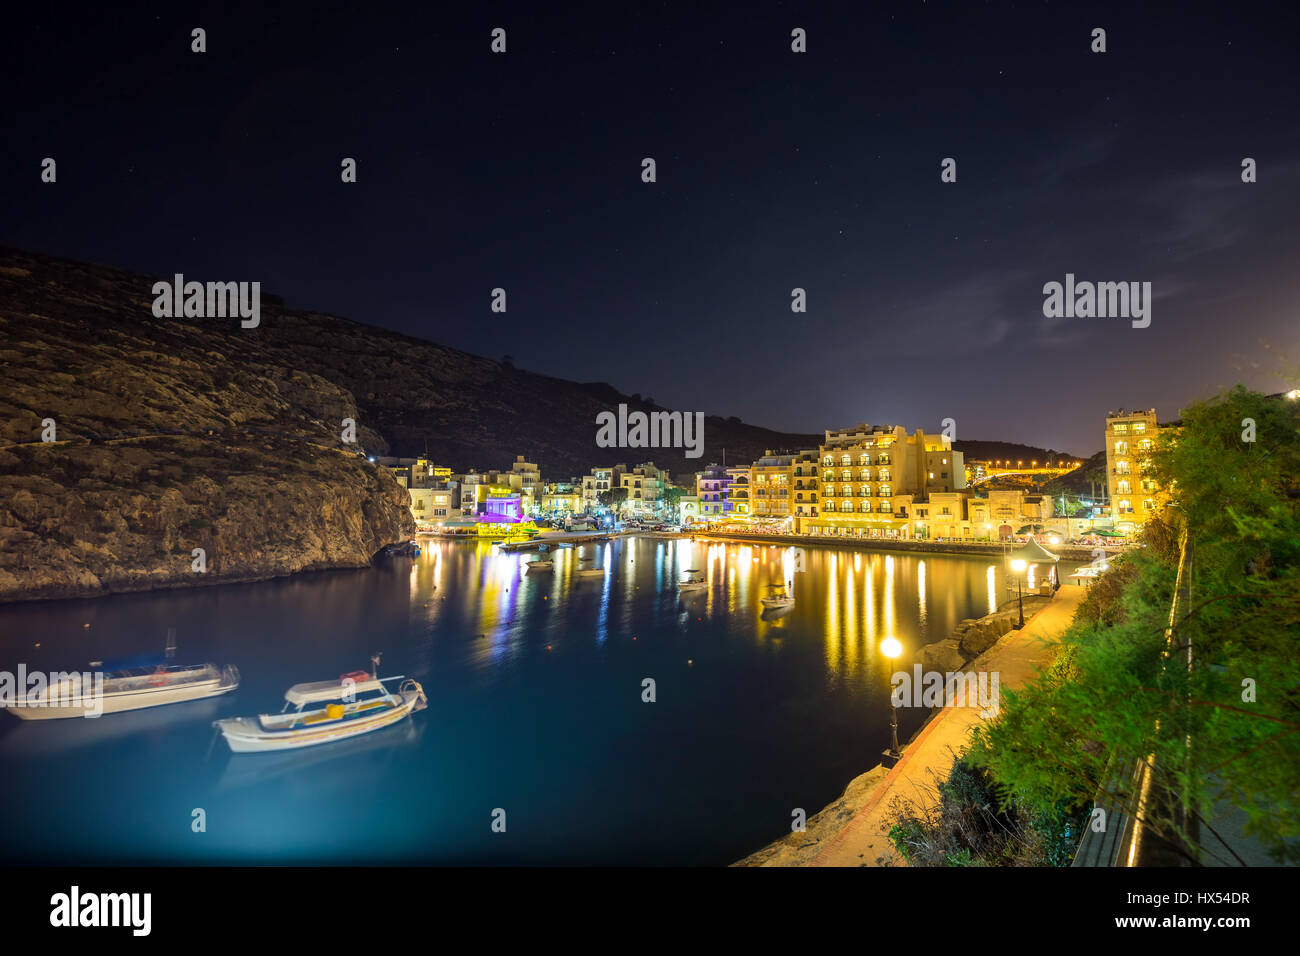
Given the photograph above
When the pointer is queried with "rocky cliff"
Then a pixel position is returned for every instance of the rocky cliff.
(177, 434)
(167, 438)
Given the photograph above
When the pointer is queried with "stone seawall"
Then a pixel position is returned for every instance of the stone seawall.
(980, 548)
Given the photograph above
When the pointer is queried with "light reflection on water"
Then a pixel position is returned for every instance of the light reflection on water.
(534, 681)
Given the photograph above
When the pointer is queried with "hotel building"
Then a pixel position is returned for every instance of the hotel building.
(871, 475)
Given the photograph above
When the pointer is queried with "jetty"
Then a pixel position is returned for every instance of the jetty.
(561, 537)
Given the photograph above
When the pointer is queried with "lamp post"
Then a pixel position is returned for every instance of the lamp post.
(891, 648)
(1018, 565)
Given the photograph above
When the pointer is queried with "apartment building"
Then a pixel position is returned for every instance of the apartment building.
(771, 485)
(711, 487)
(1134, 493)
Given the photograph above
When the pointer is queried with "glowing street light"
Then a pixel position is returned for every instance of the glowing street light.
(891, 648)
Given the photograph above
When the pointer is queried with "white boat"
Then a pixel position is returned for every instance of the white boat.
(590, 572)
(542, 564)
(694, 582)
(127, 685)
(323, 712)
(778, 598)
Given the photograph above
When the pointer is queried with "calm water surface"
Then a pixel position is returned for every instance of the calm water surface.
(535, 707)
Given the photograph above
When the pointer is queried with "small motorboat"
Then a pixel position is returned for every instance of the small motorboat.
(326, 711)
(401, 550)
(147, 681)
(778, 597)
(694, 581)
(598, 572)
(541, 564)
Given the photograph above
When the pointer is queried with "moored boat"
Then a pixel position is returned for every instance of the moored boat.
(694, 581)
(326, 711)
(778, 597)
(134, 684)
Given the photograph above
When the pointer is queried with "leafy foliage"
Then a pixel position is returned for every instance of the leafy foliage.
(1225, 677)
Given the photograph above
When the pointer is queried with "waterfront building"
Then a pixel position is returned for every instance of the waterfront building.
(942, 515)
(737, 505)
(688, 509)
(804, 473)
(645, 486)
(771, 489)
(711, 487)
(871, 476)
(1134, 493)
(1004, 512)
(597, 482)
(561, 497)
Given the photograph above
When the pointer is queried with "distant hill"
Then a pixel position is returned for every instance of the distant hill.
(1083, 480)
(995, 450)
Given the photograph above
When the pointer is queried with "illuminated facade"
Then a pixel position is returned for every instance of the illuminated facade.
(738, 504)
(771, 489)
(1134, 494)
(870, 476)
(645, 486)
(806, 488)
(711, 487)
(598, 481)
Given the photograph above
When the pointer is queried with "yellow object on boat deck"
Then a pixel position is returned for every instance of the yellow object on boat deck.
(334, 711)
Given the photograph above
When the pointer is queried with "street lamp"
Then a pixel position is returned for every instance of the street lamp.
(891, 648)
(1018, 565)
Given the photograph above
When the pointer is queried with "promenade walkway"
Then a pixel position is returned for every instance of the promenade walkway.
(853, 831)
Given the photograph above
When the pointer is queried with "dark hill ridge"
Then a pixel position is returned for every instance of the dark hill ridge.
(1000, 450)
(411, 396)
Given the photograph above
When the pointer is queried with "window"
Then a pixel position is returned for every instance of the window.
(886, 491)
(885, 507)
(1149, 505)
(1121, 448)
(1121, 428)
(846, 460)
(440, 512)
(884, 474)
(864, 459)
(1139, 428)
(828, 506)
(1122, 468)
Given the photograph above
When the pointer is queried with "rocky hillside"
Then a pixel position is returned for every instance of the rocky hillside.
(177, 434)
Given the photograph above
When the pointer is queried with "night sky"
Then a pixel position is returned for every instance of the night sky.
(775, 170)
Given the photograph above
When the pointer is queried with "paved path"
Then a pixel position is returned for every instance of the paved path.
(927, 759)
